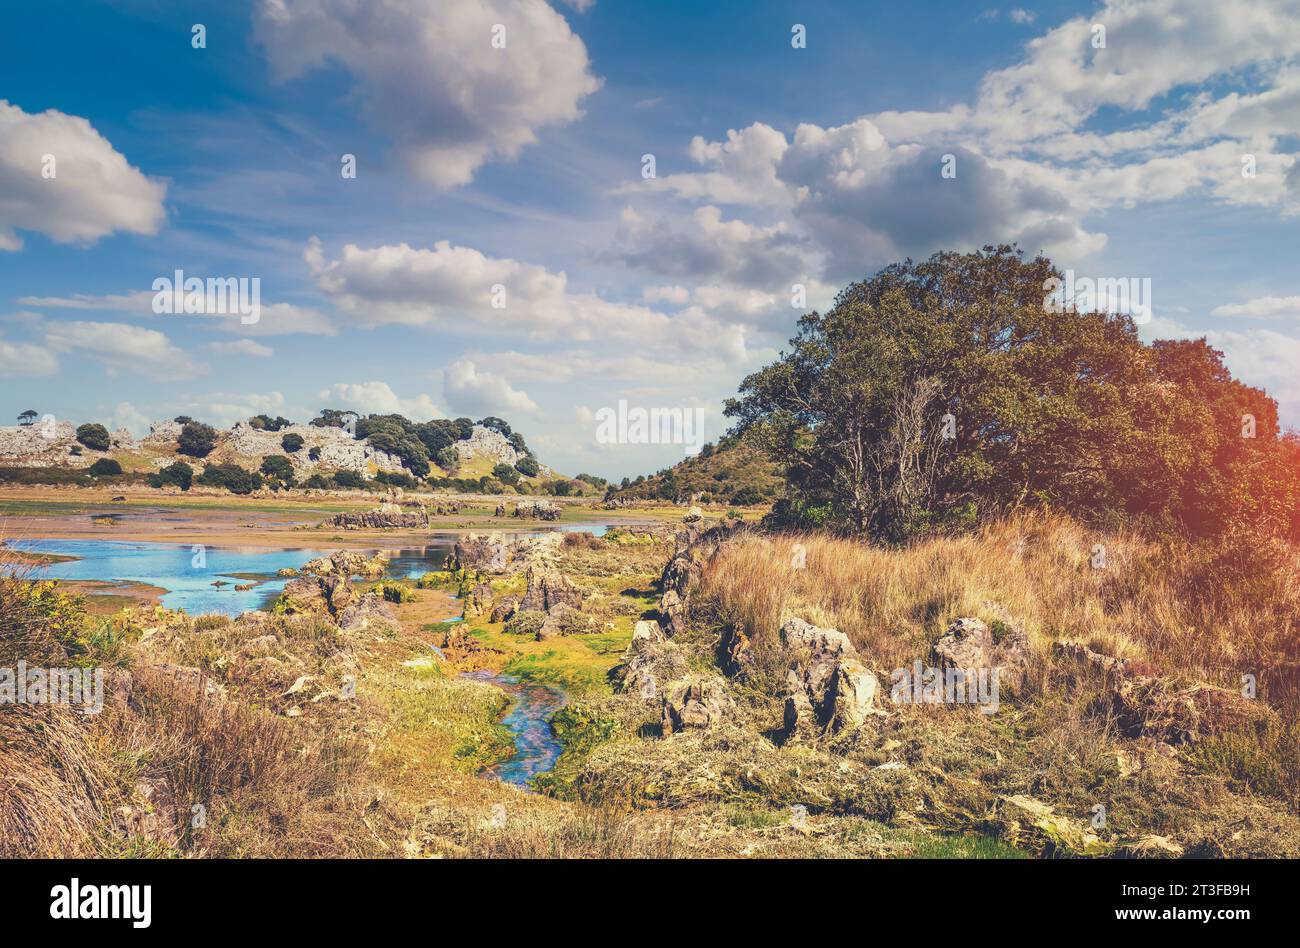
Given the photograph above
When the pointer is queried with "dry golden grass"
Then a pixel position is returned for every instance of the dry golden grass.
(1210, 611)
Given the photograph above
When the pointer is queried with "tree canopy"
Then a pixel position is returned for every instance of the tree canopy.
(938, 393)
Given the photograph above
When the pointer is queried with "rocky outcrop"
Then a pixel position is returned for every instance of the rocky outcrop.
(486, 443)
(44, 444)
(695, 702)
(478, 602)
(383, 517)
(548, 588)
(331, 448)
(347, 563)
(828, 689)
(504, 609)
(694, 546)
(502, 553)
(969, 645)
(371, 610)
(1178, 713)
(537, 510)
(327, 595)
(650, 663)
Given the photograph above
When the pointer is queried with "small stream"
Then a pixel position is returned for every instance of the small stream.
(529, 722)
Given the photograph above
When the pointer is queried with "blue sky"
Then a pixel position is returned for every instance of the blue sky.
(522, 166)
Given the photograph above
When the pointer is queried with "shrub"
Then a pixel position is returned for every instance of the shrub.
(397, 479)
(506, 474)
(349, 480)
(279, 469)
(293, 443)
(105, 467)
(528, 466)
(528, 622)
(267, 423)
(394, 591)
(747, 497)
(197, 439)
(313, 454)
(448, 459)
(230, 476)
(95, 437)
(179, 474)
(318, 482)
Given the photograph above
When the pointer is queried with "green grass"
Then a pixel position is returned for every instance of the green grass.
(935, 846)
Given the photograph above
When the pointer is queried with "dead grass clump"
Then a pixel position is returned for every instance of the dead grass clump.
(54, 791)
(1210, 611)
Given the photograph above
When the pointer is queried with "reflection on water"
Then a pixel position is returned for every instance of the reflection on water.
(529, 721)
(188, 578)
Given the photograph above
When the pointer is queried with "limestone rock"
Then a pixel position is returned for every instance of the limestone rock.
(695, 702)
(648, 665)
(537, 510)
(478, 602)
(828, 689)
(969, 645)
(503, 610)
(648, 629)
(486, 443)
(548, 588)
(368, 611)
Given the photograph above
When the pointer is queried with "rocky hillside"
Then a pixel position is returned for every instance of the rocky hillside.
(731, 472)
(309, 448)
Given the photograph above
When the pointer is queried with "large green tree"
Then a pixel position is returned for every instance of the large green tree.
(940, 392)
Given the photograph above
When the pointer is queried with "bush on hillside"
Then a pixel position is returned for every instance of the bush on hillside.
(105, 467)
(178, 474)
(292, 443)
(197, 439)
(349, 480)
(279, 469)
(94, 436)
(230, 476)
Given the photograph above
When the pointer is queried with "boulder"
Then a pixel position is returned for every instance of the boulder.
(648, 665)
(478, 602)
(537, 510)
(694, 515)
(828, 689)
(695, 702)
(969, 645)
(503, 610)
(548, 588)
(484, 554)
(648, 629)
(368, 611)
(346, 564)
(324, 595)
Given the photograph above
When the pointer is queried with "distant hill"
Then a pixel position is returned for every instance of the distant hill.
(383, 445)
(731, 472)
